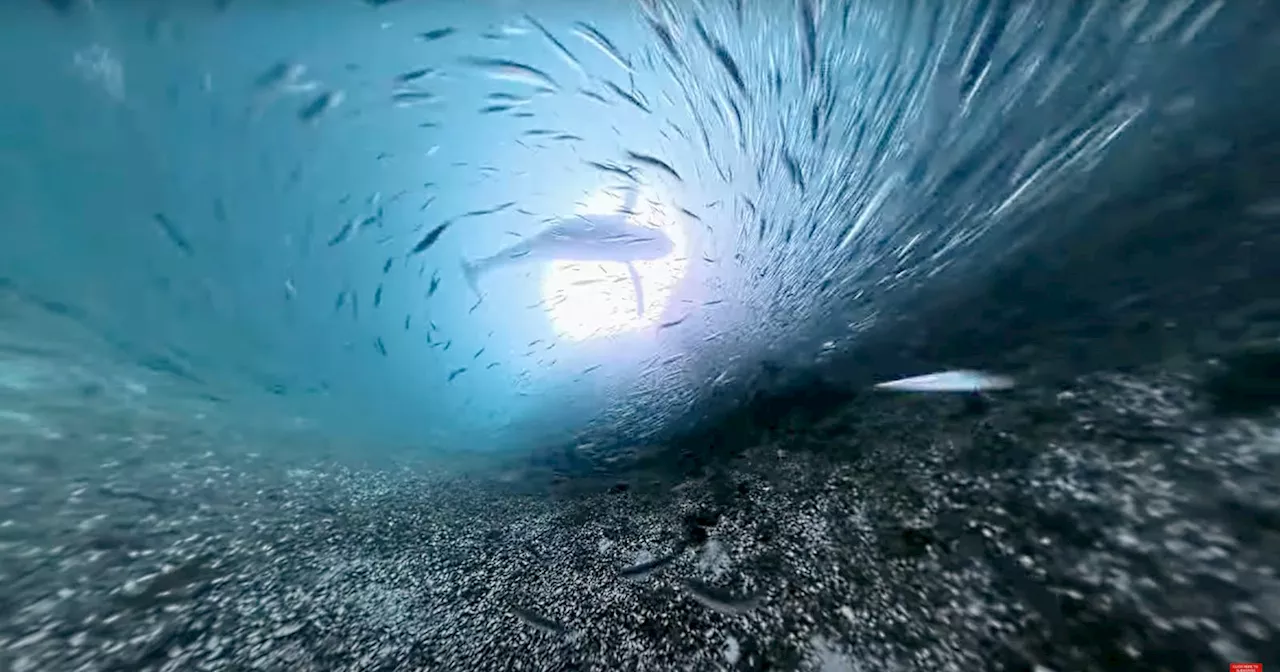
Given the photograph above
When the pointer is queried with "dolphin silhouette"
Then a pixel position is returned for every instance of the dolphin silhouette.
(606, 237)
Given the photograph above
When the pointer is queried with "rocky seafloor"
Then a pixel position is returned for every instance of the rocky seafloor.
(1114, 521)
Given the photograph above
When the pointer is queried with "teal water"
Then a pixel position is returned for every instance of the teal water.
(166, 194)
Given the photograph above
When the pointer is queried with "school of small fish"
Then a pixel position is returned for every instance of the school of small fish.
(716, 94)
(736, 105)
(788, 166)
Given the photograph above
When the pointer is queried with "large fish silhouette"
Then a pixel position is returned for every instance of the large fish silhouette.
(605, 237)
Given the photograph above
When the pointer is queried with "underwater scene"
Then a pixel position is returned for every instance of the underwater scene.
(815, 335)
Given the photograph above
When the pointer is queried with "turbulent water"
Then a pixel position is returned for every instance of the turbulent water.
(255, 415)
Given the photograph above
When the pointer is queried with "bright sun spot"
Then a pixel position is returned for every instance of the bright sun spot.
(593, 299)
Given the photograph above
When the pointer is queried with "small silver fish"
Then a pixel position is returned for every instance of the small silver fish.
(512, 71)
(538, 621)
(405, 97)
(644, 569)
(321, 104)
(717, 600)
(598, 40)
(960, 380)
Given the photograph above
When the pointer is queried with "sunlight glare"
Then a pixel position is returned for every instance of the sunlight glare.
(595, 299)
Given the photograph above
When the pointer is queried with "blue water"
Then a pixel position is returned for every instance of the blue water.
(168, 215)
